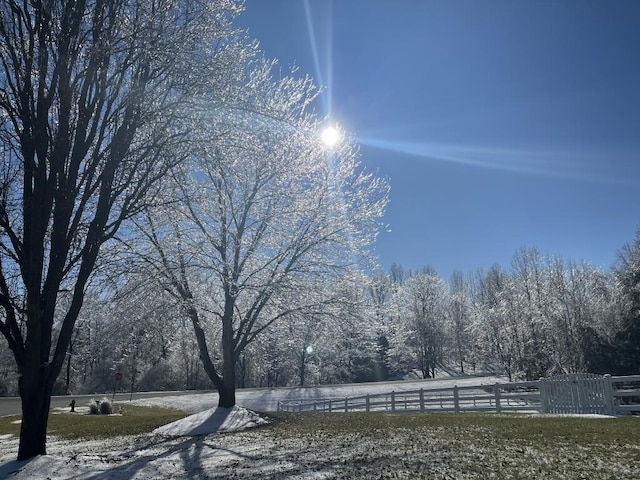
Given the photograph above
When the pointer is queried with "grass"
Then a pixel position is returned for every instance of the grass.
(508, 427)
(135, 420)
(469, 445)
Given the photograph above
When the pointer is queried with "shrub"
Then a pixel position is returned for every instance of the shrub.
(94, 407)
(105, 407)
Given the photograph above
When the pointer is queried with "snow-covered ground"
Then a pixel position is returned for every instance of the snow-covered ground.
(195, 448)
(188, 448)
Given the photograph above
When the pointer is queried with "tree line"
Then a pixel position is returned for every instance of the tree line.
(541, 316)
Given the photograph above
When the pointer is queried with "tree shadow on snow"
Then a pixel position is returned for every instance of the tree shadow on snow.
(187, 454)
(12, 466)
(187, 451)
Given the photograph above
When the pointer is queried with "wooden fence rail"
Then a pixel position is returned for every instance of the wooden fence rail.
(577, 393)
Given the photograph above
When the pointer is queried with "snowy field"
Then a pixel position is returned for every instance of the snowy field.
(197, 448)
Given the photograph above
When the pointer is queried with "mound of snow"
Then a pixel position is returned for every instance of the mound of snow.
(213, 420)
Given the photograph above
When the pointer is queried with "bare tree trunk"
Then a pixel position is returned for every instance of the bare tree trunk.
(243, 372)
(227, 392)
(67, 380)
(227, 389)
(303, 365)
(36, 400)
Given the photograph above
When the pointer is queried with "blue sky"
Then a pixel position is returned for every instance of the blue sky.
(499, 124)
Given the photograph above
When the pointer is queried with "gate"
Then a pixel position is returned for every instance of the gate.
(576, 393)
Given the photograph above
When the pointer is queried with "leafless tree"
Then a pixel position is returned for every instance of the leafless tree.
(270, 220)
(93, 96)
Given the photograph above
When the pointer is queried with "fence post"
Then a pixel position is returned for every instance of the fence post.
(346, 404)
(496, 391)
(393, 401)
(456, 399)
(608, 395)
(368, 402)
(421, 400)
(279, 406)
(330, 410)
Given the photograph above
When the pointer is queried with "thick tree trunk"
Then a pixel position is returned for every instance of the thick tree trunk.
(227, 388)
(227, 396)
(36, 400)
(225, 385)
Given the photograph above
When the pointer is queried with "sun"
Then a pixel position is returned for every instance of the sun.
(330, 136)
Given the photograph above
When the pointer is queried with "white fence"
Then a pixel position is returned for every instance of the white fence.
(578, 393)
(625, 391)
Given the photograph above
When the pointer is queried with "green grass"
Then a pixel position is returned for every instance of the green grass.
(134, 420)
(507, 427)
(527, 429)
(474, 445)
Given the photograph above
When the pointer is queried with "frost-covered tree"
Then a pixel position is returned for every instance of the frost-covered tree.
(380, 291)
(619, 351)
(581, 309)
(267, 219)
(420, 337)
(494, 332)
(628, 275)
(528, 301)
(460, 316)
(545, 316)
(92, 94)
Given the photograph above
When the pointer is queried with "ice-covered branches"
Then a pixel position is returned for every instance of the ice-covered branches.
(95, 104)
(264, 218)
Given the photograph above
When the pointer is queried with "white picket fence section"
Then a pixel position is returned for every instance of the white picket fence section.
(576, 393)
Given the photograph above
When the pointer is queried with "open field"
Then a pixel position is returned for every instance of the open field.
(357, 445)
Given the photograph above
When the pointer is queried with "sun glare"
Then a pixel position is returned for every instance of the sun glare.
(330, 136)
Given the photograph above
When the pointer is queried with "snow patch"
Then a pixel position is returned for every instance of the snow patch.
(213, 420)
(37, 466)
(61, 410)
